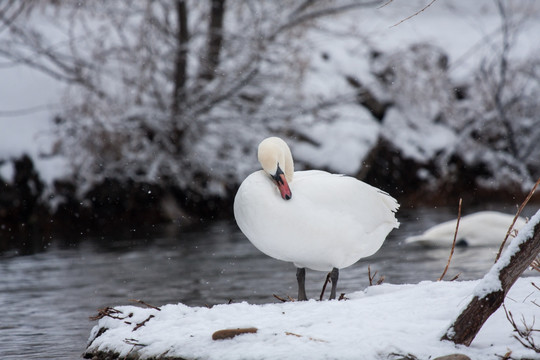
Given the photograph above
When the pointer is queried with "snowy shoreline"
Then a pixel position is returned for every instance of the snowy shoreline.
(381, 322)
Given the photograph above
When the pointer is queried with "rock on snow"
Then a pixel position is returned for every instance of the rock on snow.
(381, 322)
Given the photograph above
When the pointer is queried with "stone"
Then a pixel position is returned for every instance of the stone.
(230, 333)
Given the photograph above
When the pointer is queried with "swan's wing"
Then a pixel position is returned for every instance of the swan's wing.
(331, 220)
(347, 196)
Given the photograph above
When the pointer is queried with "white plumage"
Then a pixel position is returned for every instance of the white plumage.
(482, 228)
(315, 220)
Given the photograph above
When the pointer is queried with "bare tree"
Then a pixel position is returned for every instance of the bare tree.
(149, 80)
(505, 87)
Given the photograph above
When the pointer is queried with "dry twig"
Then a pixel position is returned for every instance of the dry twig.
(516, 217)
(408, 356)
(453, 242)
(413, 15)
(524, 335)
(506, 356)
(324, 286)
(309, 337)
(372, 277)
(385, 4)
(141, 324)
(109, 312)
(535, 265)
(134, 342)
(369, 275)
(145, 304)
(279, 298)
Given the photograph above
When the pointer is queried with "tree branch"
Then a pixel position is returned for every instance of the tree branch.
(237, 86)
(315, 14)
(8, 20)
(413, 15)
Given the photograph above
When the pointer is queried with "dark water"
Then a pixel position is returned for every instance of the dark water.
(46, 298)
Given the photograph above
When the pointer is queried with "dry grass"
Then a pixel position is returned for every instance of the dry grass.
(524, 332)
(372, 277)
(453, 243)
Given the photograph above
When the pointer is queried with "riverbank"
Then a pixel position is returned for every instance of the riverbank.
(32, 212)
(383, 322)
(51, 293)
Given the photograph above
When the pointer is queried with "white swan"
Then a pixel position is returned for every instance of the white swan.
(483, 228)
(317, 220)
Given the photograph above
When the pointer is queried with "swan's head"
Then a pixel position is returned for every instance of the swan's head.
(276, 159)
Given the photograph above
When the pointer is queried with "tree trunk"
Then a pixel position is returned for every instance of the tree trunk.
(468, 323)
(180, 66)
(215, 39)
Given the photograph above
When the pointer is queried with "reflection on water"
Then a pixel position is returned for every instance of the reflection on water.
(46, 298)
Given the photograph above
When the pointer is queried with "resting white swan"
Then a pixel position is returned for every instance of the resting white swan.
(317, 220)
(483, 228)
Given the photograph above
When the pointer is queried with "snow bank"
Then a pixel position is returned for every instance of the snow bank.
(384, 319)
(420, 145)
(341, 144)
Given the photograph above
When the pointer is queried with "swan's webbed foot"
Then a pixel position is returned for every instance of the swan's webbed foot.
(301, 278)
(334, 275)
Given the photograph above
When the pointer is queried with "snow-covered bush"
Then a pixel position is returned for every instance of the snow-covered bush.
(160, 102)
(475, 136)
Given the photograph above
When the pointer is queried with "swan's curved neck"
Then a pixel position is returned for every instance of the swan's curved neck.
(274, 152)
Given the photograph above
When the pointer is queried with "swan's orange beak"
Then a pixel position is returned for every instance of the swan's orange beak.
(282, 184)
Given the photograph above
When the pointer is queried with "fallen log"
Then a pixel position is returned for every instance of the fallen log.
(492, 289)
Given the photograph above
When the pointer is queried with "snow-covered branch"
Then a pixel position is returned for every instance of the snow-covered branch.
(492, 289)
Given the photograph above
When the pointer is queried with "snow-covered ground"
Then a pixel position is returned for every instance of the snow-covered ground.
(377, 323)
(371, 324)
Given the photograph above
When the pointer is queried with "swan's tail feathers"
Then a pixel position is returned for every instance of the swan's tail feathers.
(391, 204)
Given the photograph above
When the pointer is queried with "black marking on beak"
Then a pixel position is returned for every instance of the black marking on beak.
(281, 182)
(277, 176)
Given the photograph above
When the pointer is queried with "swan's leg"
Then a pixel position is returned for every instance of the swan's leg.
(334, 274)
(301, 278)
